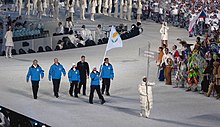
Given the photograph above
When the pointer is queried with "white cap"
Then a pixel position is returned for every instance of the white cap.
(73, 64)
(93, 67)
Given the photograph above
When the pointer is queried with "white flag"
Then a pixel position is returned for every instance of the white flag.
(114, 40)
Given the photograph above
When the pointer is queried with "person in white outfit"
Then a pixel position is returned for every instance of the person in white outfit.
(83, 6)
(56, 8)
(19, 5)
(39, 9)
(51, 8)
(146, 97)
(71, 9)
(164, 34)
(129, 9)
(99, 6)
(139, 10)
(9, 44)
(105, 8)
(34, 10)
(116, 8)
(121, 8)
(93, 7)
(109, 7)
(66, 8)
(44, 7)
(125, 9)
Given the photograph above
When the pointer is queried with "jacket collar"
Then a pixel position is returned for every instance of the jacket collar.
(56, 64)
(33, 66)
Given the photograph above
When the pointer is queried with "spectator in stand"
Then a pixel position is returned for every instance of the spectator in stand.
(59, 29)
(99, 34)
(68, 25)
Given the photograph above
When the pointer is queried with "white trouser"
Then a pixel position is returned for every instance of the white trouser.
(116, 10)
(82, 13)
(146, 105)
(129, 13)
(8, 51)
(92, 16)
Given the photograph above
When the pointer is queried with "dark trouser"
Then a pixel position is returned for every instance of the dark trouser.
(92, 90)
(56, 86)
(83, 83)
(74, 85)
(105, 85)
(35, 86)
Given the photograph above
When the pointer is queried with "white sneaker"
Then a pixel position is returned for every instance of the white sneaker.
(6, 57)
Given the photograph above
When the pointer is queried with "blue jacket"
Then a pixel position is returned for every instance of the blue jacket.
(95, 78)
(56, 71)
(74, 75)
(35, 73)
(107, 71)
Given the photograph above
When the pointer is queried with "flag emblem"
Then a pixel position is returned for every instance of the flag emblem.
(114, 40)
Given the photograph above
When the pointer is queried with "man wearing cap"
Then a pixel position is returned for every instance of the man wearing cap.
(146, 97)
(95, 85)
(55, 72)
(74, 79)
(83, 68)
(107, 73)
(35, 72)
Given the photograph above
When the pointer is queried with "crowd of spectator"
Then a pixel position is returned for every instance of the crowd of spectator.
(23, 30)
(180, 13)
(194, 67)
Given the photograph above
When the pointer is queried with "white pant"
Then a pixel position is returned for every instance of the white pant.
(8, 51)
(146, 105)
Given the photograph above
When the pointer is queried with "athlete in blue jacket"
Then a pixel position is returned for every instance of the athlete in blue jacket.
(35, 72)
(107, 73)
(74, 79)
(95, 85)
(55, 73)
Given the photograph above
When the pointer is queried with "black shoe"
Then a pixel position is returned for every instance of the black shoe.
(181, 87)
(90, 102)
(107, 94)
(103, 101)
(71, 95)
(189, 89)
(84, 94)
(195, 90)
(35, 97)
(57, 96)
(76, 96)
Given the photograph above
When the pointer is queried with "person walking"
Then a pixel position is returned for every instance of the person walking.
(146, 97)
(35, 72)
(83, 68)
(95, 85)
(9, 44)
(107, 73)
(74, 79)
(55, 74)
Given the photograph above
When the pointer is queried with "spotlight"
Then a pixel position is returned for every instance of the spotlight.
(43, 126)
(35, 124)
(0, 109)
